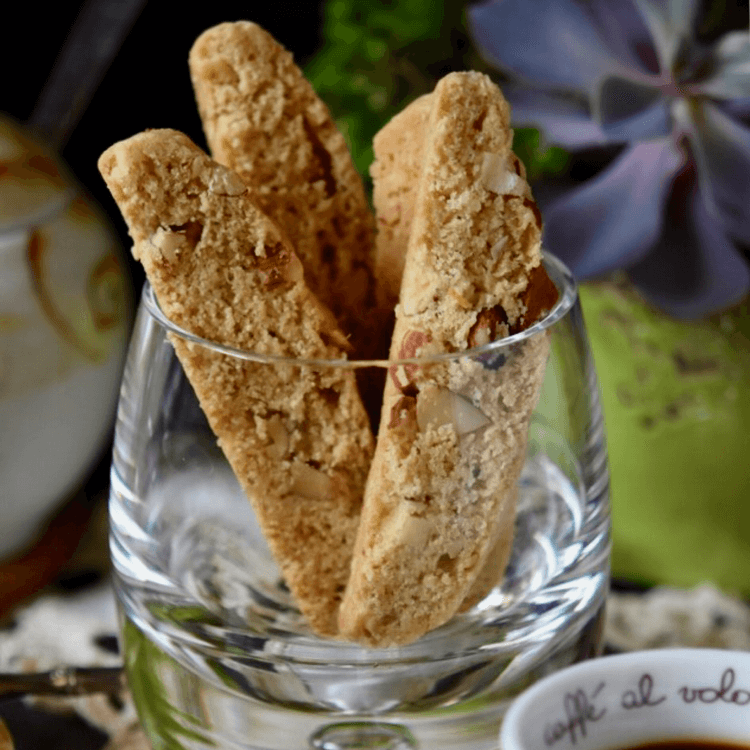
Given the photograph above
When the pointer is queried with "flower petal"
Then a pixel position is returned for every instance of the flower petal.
(739, 109)
(558, 43)
(564, 120)
(671, 23)
(630, 111)
(613, 219)
(722, 152)
(694, 268)
(730, 77)
(625, 32)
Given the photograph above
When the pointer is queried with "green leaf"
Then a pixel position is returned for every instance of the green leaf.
(539, 161)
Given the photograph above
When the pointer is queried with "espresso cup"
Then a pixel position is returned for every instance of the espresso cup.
(622, 702)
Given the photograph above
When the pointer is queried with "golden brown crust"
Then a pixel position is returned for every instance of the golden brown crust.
(297, 438)
(440, 495)
(263, 120)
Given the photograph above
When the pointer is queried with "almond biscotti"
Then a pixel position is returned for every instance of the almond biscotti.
(263, 119)
(298, 440)
(399, 154)
(441, 490)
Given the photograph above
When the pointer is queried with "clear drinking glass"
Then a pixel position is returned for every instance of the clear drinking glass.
(217, 653)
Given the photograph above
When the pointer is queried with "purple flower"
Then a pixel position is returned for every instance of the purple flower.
(673, 208)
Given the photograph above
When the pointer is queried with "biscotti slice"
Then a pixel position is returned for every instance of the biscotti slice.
(440, 495)
(399, 156)
(297, 437)
(263, 119)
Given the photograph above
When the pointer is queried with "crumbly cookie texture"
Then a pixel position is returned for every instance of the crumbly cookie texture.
(440, 496)
(297, 438)
(263, 119)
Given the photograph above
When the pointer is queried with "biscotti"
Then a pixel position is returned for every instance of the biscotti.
(441, 490)
(399, 154)
(298, 439)
(263, 119)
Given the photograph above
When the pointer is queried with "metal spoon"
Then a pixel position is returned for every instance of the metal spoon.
(92, 44)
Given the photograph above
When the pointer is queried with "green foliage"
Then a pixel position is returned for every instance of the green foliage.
(378, 55)
(539, 160)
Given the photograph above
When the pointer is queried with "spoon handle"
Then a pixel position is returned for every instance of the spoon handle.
(64, 681)
(92, 44)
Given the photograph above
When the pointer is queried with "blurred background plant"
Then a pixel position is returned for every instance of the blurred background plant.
(377, 57)
(667, 84)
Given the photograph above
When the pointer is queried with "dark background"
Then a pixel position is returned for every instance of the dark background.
(147, 85)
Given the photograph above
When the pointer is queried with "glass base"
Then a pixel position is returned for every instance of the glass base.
(182, 709)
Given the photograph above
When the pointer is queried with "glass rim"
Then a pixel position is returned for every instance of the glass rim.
(560, 274)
